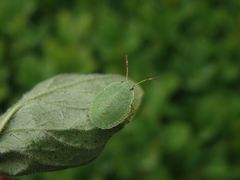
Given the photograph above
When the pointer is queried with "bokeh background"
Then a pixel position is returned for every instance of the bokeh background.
(188, 126)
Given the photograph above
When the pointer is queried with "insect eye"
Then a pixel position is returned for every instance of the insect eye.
(132, 88)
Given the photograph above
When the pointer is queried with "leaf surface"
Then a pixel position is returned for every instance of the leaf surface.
(49, 128)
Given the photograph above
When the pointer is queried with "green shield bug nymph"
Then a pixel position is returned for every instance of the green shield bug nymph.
(113, 105)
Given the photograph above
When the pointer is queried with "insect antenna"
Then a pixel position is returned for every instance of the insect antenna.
(126, 61)
(144, 80)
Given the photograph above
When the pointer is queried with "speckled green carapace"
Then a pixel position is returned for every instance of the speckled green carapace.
(113, 105)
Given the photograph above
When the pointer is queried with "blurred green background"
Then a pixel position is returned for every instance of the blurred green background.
(188, 126)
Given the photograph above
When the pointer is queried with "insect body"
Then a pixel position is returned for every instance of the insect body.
(113, 105)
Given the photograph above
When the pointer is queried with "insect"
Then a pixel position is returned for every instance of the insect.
(114, 103)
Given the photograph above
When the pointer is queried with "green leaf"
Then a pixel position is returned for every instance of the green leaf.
(49, 128)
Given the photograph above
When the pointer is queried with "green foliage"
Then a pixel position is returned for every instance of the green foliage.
(51, 128)
(188, 125)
